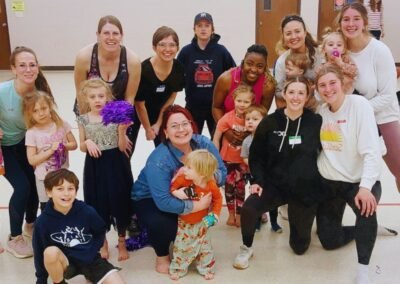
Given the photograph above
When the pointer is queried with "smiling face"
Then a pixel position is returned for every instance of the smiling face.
(63, 196)
(166, 49)
(330, 88)
(179, 130)
(110, 37)
(353, 24)
(242, 102)
(26, 68)
(294, 36)
(333, 43)
(96, 98)
(296, 97)
(203, 30)
(254, 65)
(252, 120)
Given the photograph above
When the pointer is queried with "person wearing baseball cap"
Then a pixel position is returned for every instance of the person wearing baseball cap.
(204, 59)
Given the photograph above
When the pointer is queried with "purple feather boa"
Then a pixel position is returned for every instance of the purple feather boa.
(137, 242)
(118, 112)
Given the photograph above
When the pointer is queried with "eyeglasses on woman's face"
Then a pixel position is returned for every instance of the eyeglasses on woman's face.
(184, 125)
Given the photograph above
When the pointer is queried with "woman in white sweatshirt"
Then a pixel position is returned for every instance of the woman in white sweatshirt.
(376, 80)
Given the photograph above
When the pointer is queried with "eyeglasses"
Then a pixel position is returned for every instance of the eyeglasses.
(165, 45)
(177, 126)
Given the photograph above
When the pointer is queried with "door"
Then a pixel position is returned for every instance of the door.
(269, 14)
(4, 38)
(328, 10)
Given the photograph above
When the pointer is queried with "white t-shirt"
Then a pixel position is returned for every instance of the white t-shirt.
(350, 143)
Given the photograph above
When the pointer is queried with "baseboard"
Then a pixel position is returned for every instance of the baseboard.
(57, 68)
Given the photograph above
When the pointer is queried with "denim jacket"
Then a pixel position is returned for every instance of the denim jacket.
(155, 178)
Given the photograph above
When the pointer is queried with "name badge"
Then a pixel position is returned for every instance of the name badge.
(294, 140)
(160, 89)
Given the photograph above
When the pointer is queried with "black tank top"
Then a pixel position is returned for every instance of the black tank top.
(120, 82)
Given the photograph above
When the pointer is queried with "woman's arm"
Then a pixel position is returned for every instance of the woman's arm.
(141, 112)
(221, 90)
(156, 126)
(81, 68)
(134, 70)
(268, 92)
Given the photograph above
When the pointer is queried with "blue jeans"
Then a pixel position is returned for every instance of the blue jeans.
(24, 200)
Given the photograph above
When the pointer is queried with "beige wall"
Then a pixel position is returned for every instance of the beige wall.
(56, 29)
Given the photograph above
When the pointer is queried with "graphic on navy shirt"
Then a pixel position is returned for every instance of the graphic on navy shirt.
(71, 237)
(203, 75)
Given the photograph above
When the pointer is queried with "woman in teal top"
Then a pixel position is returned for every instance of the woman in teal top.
(24, 200)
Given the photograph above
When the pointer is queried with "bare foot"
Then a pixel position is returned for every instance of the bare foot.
(174, 276)
(28, 230)
(209, 276)
(237, 221)
(231, 220)
(104, 250)
(162, 264)
(122, 251)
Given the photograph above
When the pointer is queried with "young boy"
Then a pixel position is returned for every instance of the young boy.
(68, 235)
(253, 116)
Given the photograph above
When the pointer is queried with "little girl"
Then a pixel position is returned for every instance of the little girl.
(253, 116)
(48, 138)
(107, 175)
(334, 48)
(192, 240)
(235, 183)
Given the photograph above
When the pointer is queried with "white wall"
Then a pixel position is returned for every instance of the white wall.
(56, 29)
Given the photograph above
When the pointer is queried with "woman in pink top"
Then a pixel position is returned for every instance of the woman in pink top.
(253, 72)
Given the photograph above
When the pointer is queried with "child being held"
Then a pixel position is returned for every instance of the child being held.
(48, 138)
(192, 240)
(335, 51)
(235, 182)
(253, 116)
(68, 235)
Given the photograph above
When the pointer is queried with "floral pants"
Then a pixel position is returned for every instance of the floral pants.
(192, 243)
(235, 186)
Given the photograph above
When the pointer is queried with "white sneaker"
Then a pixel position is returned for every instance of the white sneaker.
(19, 247)
(242, 259)
(383, 231)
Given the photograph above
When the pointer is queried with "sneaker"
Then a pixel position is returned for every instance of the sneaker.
(242, 259)
(276, 228)
(19, 247)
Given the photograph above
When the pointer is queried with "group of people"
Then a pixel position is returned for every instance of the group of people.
(317, 152)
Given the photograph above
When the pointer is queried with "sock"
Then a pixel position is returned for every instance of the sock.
(362, 274)
(383, 231)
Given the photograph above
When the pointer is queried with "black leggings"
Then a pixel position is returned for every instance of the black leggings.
(161, 226)
(203, 115)
(301, 217)
(332, 233)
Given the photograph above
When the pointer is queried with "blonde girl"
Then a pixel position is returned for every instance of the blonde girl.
(107, 175)
(234, 120)
(192, 240)
(335, 51)
(48, 138)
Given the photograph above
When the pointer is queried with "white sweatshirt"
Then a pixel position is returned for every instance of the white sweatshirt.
(350, 143)
(377, 80)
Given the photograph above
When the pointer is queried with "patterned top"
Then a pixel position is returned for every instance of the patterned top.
(105, 137)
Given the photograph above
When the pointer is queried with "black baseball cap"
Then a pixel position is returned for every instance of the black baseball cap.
(203, 16)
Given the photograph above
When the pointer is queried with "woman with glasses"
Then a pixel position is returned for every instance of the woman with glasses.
(162, 77)
(19, 173)
(110, 61)
(155, 206)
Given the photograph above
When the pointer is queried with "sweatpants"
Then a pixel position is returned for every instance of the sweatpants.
(203, 115)
(332, 233)
(235, 185)
(301, 217)
(161, 226)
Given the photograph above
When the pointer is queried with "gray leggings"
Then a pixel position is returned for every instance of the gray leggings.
(332, 233)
